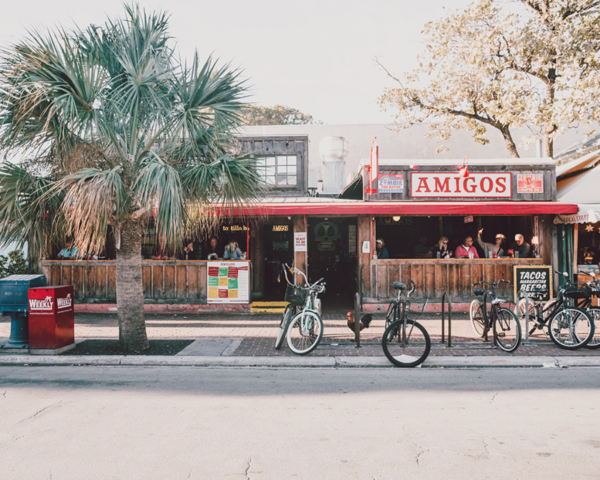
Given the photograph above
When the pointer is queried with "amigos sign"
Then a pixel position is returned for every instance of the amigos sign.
(451, 185)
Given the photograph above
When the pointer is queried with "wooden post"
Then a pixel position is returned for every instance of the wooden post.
(300, 258)
(364, 259)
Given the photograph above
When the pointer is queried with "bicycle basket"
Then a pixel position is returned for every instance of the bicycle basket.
(577, 290)
(295, 295)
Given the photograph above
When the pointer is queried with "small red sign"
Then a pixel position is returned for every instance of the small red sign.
(232, 273)
(213, 271)
(530, 183)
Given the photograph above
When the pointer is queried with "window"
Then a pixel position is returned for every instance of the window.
(280, 170)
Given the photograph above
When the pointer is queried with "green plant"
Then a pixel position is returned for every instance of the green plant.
(14, 264)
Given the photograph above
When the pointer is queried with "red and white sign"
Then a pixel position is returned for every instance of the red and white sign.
(451, 185)
(66, 302)
(300, 242)
(41, 305)
(530, 183)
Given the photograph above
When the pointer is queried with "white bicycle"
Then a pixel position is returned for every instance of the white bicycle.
(303, 330)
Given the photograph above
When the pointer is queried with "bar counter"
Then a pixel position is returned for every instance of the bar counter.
(434, 276)
(165, 281)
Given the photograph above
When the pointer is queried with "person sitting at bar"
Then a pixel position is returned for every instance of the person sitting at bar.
(466, 250)
(69, 252)
(422, 249)
(382, 252)
(521, 247)
(491, 249)
(232, 251)
(188, 251)
(442, 248)
(213, 254)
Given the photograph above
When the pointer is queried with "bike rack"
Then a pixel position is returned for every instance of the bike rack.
(525, 295)
(485, 318)
(446, 298)
(357, 310)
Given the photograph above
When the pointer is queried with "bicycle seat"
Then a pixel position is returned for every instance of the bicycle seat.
(539, 290)
(399, 286)
(498, 300)
(479, 291)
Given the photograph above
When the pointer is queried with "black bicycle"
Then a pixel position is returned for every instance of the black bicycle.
(405, 342)
(593, 310)
(501, 320)
(568, 325)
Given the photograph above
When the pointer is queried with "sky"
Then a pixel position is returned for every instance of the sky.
(314, 55)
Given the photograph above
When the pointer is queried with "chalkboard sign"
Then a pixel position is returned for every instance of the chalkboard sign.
(527, 277)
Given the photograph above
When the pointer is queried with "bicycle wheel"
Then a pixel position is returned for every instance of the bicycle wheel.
(477, 320)
(595, 340)
(406, 346)
(520, 312)
(305, 332)
(283, 326)
(571, 328)
(507, 330)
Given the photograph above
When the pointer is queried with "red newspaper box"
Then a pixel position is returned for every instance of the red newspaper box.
(51, 320)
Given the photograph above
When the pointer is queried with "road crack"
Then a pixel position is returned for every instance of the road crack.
(40, 411)
(248, 468)
(493, 400)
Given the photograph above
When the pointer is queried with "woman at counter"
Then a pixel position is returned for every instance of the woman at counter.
(442, 248)
(491, 249)
(232, 251)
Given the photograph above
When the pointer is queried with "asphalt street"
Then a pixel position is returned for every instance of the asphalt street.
(251, 423)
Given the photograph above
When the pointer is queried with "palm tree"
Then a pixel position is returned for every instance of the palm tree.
(113, 126)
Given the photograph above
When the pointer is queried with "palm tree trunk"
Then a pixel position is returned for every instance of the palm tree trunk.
(130, 290)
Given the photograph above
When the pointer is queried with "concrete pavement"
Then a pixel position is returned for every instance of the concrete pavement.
(187, 423)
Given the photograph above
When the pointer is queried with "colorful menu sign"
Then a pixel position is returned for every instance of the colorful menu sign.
(228, 282)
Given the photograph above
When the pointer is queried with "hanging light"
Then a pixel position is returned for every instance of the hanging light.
(396, 218)
(464, 168)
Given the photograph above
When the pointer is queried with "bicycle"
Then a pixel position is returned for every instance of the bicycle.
(405, 342)
(303, 330)
(568, 326)
(503, 321)
(593, 310)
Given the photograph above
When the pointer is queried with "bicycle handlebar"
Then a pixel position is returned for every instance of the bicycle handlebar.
(491, 284)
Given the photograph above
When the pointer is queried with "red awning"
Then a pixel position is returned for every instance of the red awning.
(409, 208)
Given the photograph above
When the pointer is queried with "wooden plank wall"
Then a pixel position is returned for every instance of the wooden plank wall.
(434, 277)
(164, 281)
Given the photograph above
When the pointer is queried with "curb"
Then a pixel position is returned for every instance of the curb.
(298, 362)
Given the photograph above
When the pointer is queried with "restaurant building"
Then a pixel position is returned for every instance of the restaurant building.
(331, 232)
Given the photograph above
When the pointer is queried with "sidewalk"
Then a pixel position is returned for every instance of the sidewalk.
(249, 341)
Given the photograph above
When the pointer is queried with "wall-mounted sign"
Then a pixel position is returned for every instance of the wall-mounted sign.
(228, 282)
(366, 246)
(300, 243)
(351, 238)
(391, 183)
(530, 183)
(281, 228)
(468, 219)
(529, 277)
(450, 185)
(234, 228)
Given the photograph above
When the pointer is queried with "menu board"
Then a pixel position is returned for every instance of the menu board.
(228, 282)
(528, 277)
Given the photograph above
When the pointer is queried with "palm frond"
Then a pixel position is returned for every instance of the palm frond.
(94, 199)
(158, 184)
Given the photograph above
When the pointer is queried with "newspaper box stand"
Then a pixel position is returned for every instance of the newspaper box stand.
(51, 320)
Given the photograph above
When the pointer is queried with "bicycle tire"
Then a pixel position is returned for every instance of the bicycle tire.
(565, 318)
(594, 342)
(504, 324)
(283, 325)
(390, 346)
(307, 340)
(477, 320)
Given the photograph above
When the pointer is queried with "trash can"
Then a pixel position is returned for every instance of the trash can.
(51, 320)
(13, 303)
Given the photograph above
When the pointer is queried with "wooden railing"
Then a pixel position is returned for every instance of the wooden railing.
(433, 277)
(94, 281)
